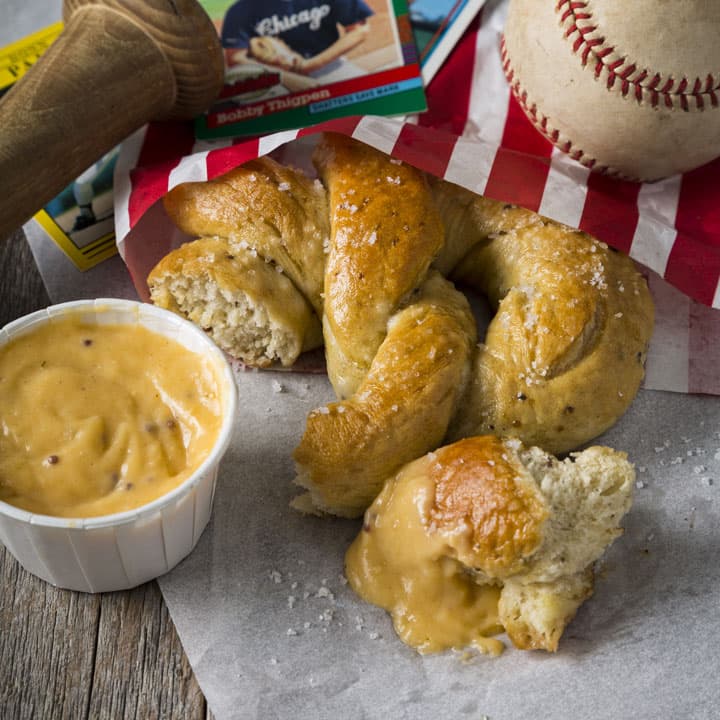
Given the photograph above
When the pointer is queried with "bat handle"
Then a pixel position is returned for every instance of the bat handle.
(117, 65)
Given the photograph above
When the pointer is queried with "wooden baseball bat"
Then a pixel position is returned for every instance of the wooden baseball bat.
(116, 65)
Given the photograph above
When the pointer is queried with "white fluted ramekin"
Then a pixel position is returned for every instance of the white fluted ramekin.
(122, 550)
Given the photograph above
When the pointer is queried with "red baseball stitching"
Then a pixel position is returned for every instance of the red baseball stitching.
(541, 122)
(688, 93)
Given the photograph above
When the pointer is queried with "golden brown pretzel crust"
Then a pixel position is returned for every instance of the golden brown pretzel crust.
(476, 483)
(385, 232)
(264, 206)
(351, 447)
(273, 221)
(490, 512)
(248, 308)
(565, 353)
(562, 360)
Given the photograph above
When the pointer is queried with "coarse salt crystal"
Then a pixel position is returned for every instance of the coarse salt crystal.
(283, 186)
(640, 484)
(324, 592)
(277, 386)
(373, 238)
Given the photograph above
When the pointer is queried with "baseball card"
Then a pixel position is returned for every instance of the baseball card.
(292, 63)
(437, 26)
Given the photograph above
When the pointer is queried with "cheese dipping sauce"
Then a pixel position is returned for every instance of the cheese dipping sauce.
(405, 563)
(97, 419)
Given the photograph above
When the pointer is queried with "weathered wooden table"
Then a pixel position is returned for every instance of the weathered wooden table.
(71, 655)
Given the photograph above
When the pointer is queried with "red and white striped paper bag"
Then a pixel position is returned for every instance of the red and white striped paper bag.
(476, 134)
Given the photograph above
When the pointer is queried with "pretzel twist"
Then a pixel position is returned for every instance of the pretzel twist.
(561, 361)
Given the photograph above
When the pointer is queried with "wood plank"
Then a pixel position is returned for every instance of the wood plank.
(21, 287)
(47, 646)
(140, 668)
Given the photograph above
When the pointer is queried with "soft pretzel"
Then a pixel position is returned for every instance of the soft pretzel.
(562, 359)
(402, 407)
(568, 309)
(385, 232)
(269, 217)
(487, 534)
(244, 304)
(565, 353)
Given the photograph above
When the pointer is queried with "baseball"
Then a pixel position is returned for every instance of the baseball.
(627, 88)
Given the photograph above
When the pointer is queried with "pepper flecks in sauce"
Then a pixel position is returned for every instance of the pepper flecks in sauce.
(113, 417)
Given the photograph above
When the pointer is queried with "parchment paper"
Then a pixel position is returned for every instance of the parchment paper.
(272, 631)
(643, 647)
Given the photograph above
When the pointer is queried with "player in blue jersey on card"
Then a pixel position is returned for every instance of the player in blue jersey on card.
(300, 36)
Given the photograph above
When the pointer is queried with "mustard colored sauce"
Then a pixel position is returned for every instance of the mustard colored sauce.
(401, 563)
(98, 419)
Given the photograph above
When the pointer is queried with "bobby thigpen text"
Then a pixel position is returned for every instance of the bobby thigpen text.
(271, 106)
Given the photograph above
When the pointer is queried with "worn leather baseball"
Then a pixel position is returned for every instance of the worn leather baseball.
(628, 88)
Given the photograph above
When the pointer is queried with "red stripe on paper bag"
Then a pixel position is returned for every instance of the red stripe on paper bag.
(425, 148)
(225, 159)
(522, 162)
(164, 146)
(611, 210)
(694, 262)
(343, 125)
(448, 94)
